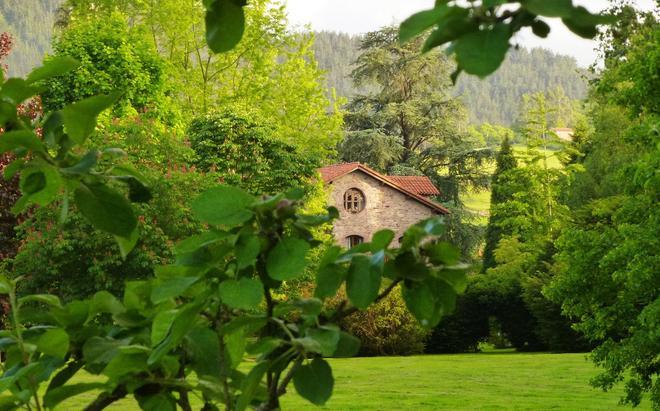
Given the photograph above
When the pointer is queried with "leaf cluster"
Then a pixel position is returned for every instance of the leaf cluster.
(57, 162)
(479, 33)
(201, 315)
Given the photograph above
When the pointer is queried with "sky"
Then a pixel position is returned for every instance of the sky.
(360, 16)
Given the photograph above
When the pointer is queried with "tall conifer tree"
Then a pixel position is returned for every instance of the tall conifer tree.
(506, 161)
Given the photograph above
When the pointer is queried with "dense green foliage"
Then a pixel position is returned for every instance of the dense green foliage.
(243, 154)
(607, 262)
(387, 328)
(271, 73)
(186, 330)
(526, 213)
(525, 218)
(9, 191)
(490, 100)
(500, 192)
(49, 249)
(113, 58)
(469, 325)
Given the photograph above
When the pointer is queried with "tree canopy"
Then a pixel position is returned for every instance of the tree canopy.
(608, 255)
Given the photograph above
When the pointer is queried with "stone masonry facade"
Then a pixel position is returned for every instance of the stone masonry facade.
(385, 207)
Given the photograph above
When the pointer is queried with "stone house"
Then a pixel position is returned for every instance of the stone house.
(369, 201)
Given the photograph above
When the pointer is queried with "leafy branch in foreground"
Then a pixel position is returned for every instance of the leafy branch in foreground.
(479, 33)
(50, 157)
(187, 331)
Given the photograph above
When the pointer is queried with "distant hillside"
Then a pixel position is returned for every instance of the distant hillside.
(496, 98)
(492, 100)
(30, 22)
(335, 52)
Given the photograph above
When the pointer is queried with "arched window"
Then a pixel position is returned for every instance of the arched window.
(353, 240)
(353, 200)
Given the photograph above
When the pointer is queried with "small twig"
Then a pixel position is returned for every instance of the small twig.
(281, 390)
(283, 326)
(184, 400)
(222, 352)
(352, 310)
(104, 399)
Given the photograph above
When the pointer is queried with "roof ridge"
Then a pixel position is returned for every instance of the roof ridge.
(350, 167)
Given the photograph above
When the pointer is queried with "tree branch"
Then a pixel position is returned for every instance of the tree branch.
(281, 390)
(104, 399)
(352, 310)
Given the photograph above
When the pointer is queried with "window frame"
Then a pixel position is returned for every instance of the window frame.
(354, 240)
(354, 200)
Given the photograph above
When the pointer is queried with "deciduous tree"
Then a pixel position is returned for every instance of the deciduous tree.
(608, 256)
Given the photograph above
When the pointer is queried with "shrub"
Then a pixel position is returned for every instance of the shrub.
(465, 328)
(387, 328)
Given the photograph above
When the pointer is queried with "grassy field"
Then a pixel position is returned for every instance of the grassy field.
(479, 201)
(487, 381)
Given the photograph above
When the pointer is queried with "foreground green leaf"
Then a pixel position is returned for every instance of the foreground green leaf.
(106, 209)
(288, 259)
(12, 140)
(80, 118)
(419, 22)
(55, 396)
(481, 52)
(314, 381)
(362, 283)
(225, 24)
(223, 205)
(54, 66)
(54, 342)
(245, 294)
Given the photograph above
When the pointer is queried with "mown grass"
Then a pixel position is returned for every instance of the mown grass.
(487, 381)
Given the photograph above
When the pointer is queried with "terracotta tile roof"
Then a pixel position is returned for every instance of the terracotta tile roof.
(412, 186)
(329, 173)
(421, 185)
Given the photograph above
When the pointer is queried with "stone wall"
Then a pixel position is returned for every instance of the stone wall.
(385, 207)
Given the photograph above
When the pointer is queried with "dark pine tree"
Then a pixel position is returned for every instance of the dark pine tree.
(506, 161)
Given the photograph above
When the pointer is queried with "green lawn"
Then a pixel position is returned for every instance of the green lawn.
(487, 381)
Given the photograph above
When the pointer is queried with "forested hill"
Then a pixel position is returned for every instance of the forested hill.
(335, 52)
(496, 99)
(30, 23)
(492, 100)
